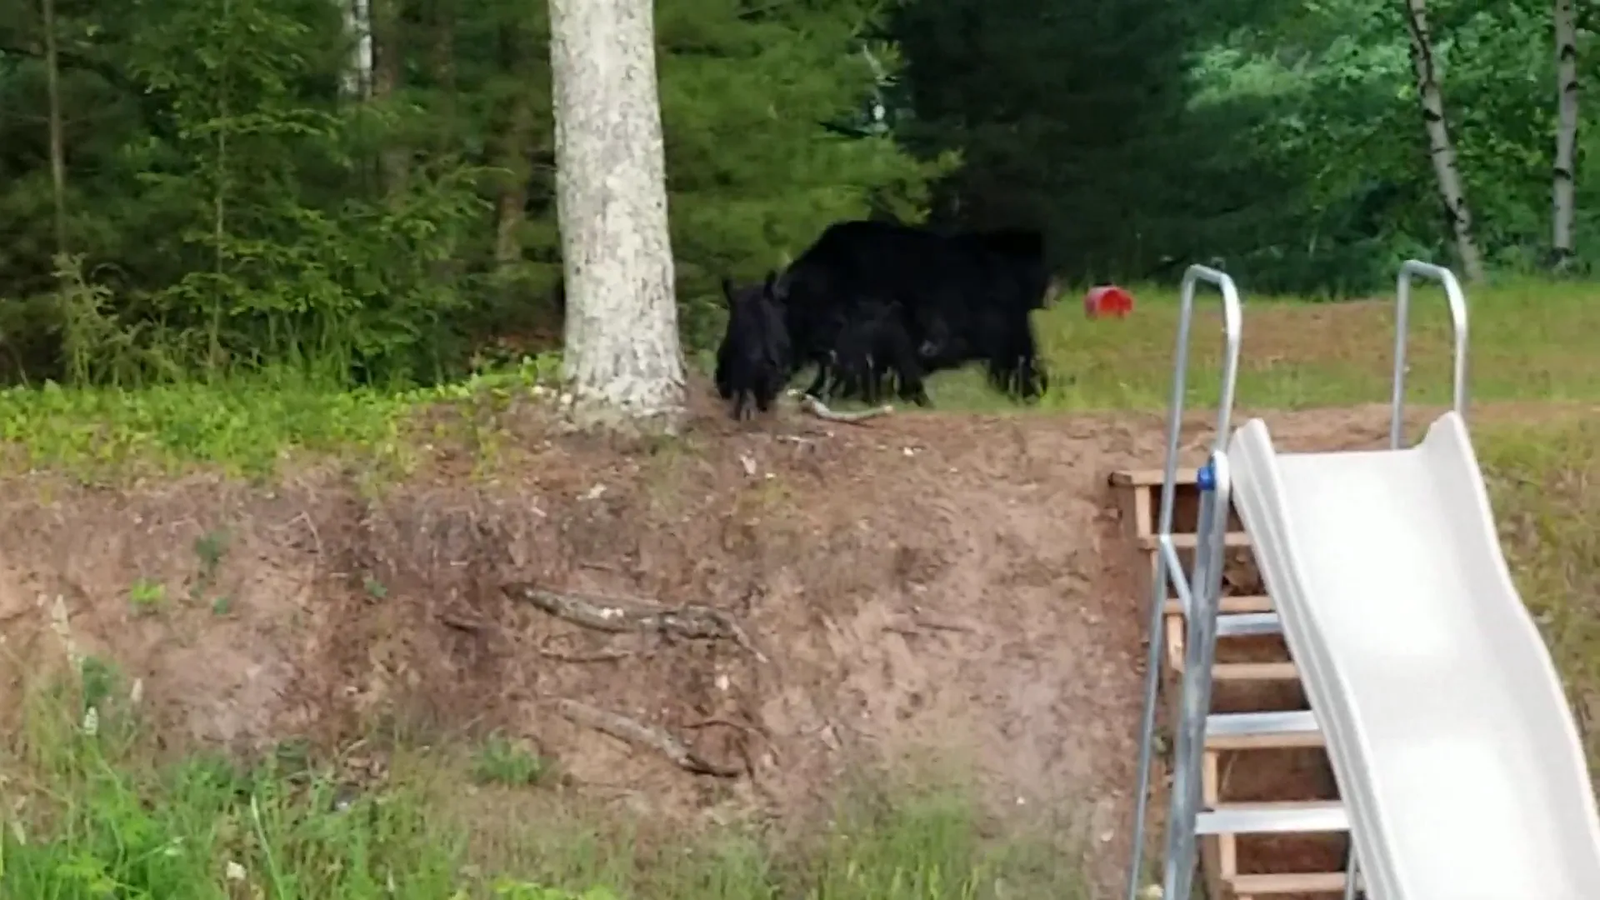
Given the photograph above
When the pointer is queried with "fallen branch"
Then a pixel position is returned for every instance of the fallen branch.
(597, 657)
(819, 409)
(726, 723)
(623, 616)
(920, 625)
(461, 623)
(626, 729)
(935, 624)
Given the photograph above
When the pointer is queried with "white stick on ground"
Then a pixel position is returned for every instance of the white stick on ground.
(819, 409)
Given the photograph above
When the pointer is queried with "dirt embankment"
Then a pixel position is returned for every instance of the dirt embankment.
(928, 581)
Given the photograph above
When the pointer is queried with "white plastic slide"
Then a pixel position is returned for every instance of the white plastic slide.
(1456, 755)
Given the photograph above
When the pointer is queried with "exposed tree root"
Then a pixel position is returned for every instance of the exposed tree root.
(616, 616)
(626, 729)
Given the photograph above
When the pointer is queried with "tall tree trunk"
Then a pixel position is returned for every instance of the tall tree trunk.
(622, 355)
(442, 59)
(58, 149)
(508, 220)
(514, 144)
(1564, 177)
(393, 165)
(1443, 153)
(357, 80)
(515, 149)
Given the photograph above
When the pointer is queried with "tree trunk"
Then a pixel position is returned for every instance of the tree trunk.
(1443, 153)
(357, 79)
(1564, 176)
(393, 158)
(508, 220)
(442, 59)
(514, 147)
(58, 149)
(622, 356)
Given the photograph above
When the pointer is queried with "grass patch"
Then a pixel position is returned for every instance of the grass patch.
(1530, 341)
(246, 426)
(90, 815)
(1545, 481)
(501, 760)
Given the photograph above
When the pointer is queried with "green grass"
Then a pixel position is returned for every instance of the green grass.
(246, 426)
(88, 815)
(1530, 341)
(1545, 481)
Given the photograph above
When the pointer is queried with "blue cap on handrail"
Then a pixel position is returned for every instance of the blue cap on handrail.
(1206, 477)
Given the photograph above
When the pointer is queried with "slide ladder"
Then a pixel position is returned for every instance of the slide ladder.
(1457, 760)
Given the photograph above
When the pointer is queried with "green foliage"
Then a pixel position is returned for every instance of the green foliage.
(1343, 124)
(246, 425)
(147, 596)
(90, 816)
(1283, 140)
(230, 208)
(754, 176)
(205, 829)
(237, 204)
(501, 760)
(1544, 480)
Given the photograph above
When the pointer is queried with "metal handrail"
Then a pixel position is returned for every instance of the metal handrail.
(1200, 656)
(1352, 871)
(1410, 270)
(1167, 569)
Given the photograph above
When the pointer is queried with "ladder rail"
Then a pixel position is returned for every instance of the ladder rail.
(1410, 271)
(1200, 657)
(1168, 570)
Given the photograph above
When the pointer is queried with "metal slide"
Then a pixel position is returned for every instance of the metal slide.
(1457, 758)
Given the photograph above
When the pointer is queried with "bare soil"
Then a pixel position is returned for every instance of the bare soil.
(923, 582)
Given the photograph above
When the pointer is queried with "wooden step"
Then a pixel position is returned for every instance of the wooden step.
(1245, 886)
(1256, 672)
(1250, 603)
(1151, 477)
(1190, 541)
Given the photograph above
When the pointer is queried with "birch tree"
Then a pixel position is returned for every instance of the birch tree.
(356, 80)
(622, 357)
(1443, 153)
(1564, 177)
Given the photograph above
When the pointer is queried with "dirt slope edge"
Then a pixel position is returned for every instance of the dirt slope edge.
(930, 581)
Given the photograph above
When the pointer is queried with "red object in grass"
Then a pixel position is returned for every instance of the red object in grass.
(1107, 300)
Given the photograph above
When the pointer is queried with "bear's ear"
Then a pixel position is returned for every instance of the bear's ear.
(771, 287)
(727, 289)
